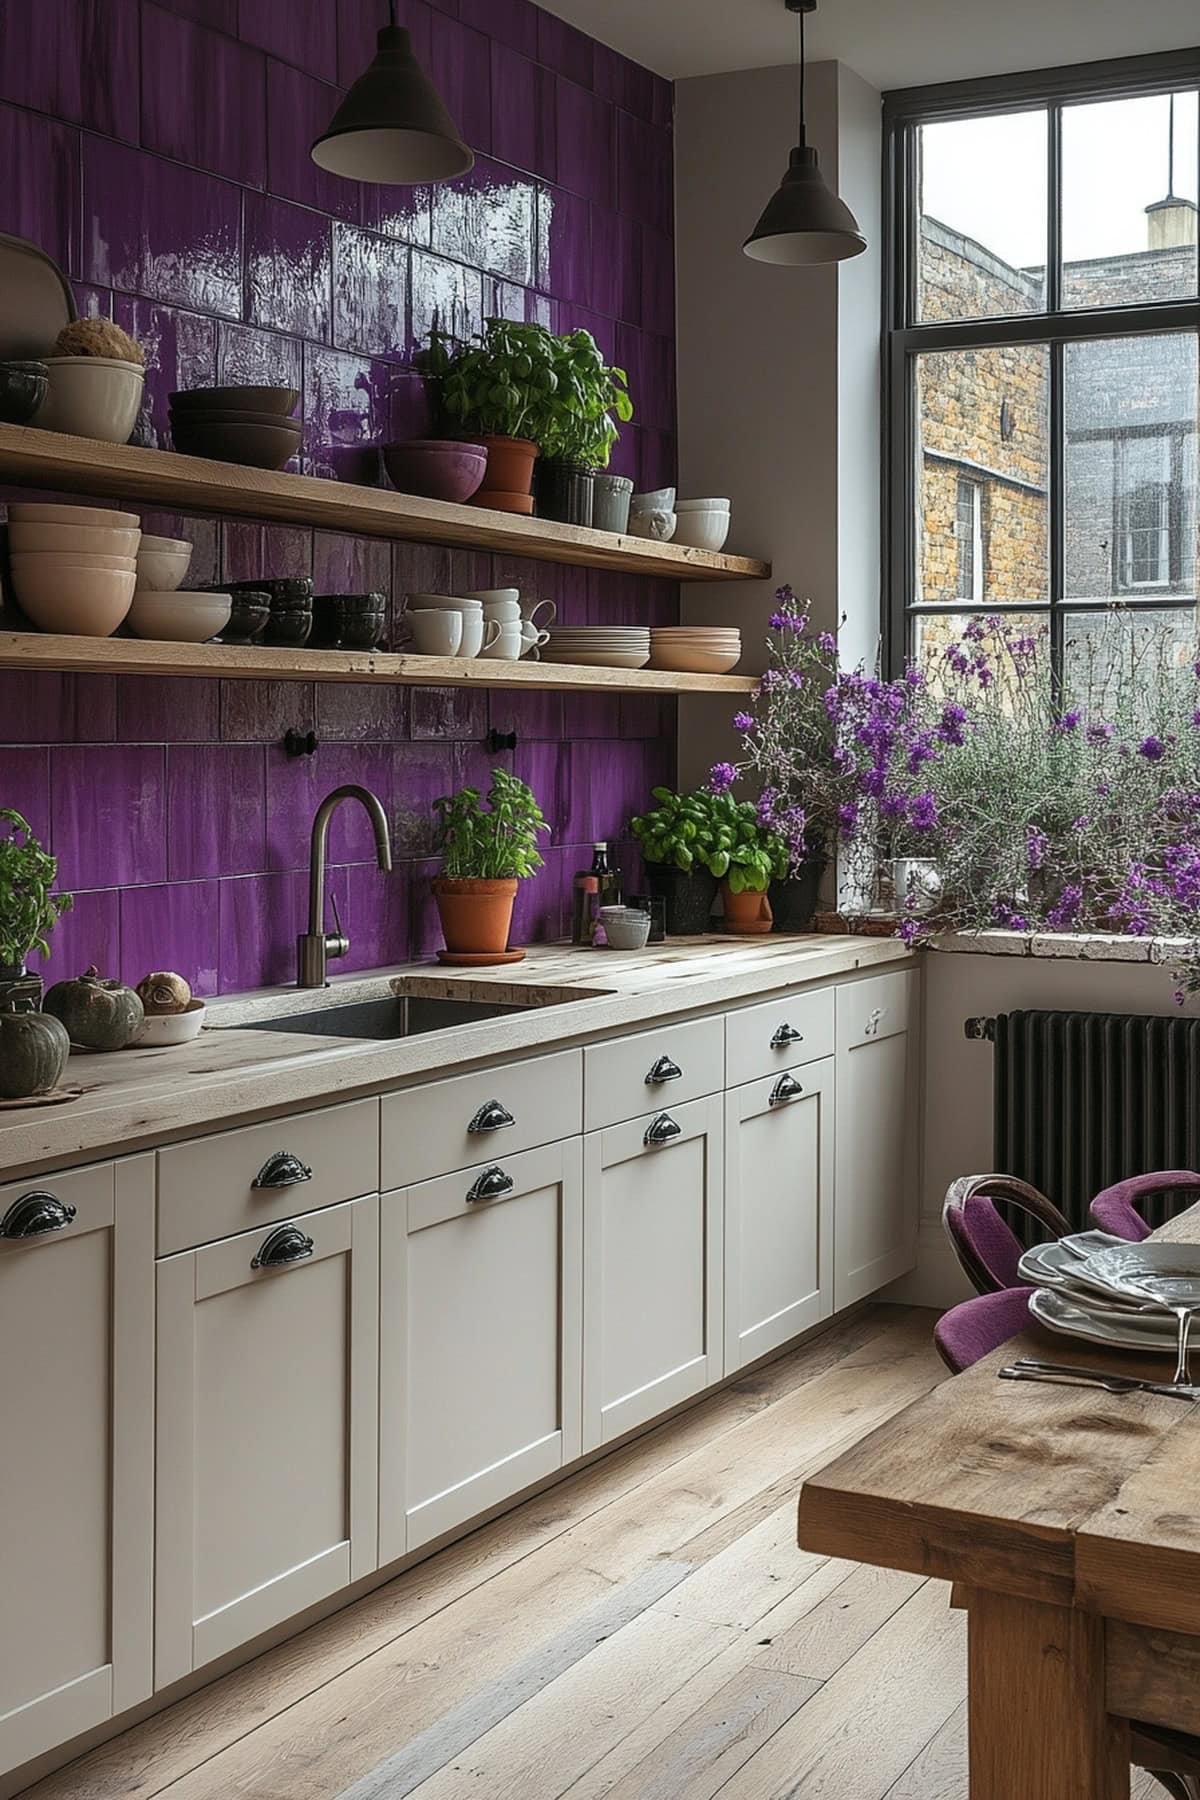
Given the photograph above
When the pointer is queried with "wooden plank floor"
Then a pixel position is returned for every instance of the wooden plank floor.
(647, 1630)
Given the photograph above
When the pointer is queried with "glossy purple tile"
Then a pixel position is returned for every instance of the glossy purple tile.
(420, 569)
(523, 113)
(176, 927)
(348, 565)
(289, 268)
(263, 712)
(488, 219)
(658, 284)
(540, 913)
(460, 62)
(339, 404)
(220, 14)
(584, 138)
(474, 765)
(421, 772)
(87, 936)
(511, 23)
(535, 715)
(445, 294)
(57, 709)
(303, 32)
(605, 784)
(249, 550)
(425, 931)
(370, 292)
(375, 911)
(564, 49)
(259, 919)
(616, 287)
(348, 713)
(227, 134)
(564, 248)
(592, 715)
(181, 352)
(167, 711)
(40, 193)
(262, 358)
(543, 768)
(299, 109)
(216, 810)
(297, 785)
(92, 302)
(445, 713)
(645, 172)
(160, 230)
(74, 59)
(25, 787)
(108, 806)
(624, 82)
(405, 213)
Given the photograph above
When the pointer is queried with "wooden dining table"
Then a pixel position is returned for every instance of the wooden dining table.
(1069, 1518)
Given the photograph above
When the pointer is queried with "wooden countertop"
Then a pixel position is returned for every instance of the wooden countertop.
(134, 1099)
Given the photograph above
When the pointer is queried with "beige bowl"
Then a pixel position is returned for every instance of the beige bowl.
(92, 397)
(690, 659)
(84, 602)
(70, 559)
(179, 617)
(157, 1029)
(44, 512)
(162, 564)
(86, 538)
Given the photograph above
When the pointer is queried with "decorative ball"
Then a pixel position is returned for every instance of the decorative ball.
(164, 992)
(98, 337)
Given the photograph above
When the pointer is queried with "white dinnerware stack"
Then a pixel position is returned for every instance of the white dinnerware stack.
(599, 646)
(695, 649)
(702, 524)
(1095, 1286)
(74, 568)
(652, 515)
(519, 635)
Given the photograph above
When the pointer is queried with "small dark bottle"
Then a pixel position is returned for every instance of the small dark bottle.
(595, 887)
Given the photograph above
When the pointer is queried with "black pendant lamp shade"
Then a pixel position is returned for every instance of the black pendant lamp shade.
(804, 222)
(393, 127)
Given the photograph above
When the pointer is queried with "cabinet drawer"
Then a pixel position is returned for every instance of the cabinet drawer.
(779, 1034)
(625, 1078)
(206, 1188)
(473, 1118)
(880, 1007)
(88, 1191)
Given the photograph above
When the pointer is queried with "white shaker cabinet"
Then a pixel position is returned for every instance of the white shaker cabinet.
(653, 1221)
(779, 1215)
(875, 1235)
(267, 1470)
(76, 1451)
(480, 1339)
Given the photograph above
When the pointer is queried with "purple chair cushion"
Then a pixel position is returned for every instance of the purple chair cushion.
(976, 1327)
(980, 1227)
(1115, 1209)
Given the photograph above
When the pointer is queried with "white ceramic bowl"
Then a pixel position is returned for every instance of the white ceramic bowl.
(70, 559)
(625, 928)
(92, 396)
(654, 500)
(179, 618)
(84, 602)
(702, 530)
(702, 506)
(170, 1028)
(443, 603)
(86, 538)
(162, 564)
(45, 512)
(657, 524)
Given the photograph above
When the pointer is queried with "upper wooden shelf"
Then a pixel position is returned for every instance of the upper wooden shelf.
(50, 459)
(135, 656)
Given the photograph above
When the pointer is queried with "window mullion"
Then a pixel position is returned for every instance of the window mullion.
(1056, 510)
(1054, 208)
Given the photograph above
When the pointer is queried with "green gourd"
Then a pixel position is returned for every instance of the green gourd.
(98, 1014)
(34, 1048)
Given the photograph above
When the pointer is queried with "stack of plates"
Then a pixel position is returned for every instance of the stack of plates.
(697, 649)
(599, 646)
(1101, 1288)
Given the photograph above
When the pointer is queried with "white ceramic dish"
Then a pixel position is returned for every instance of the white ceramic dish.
(179, 617)
(38, 561)
(436, 631)
(92, 396)
(162, 570)
(625, 929)
(442, 603)
(76, 602)
(653, 500)
(45, 512)
(600, 659)
(1060, 1314)
(77, 539)
(1057, 1264)
(702, 530)
(657, 524)
(701, 506)
(1121, 1268)
(159, 1029)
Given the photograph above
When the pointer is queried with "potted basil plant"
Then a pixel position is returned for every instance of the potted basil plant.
(33, 1046)
(487, 850)
(577, 428)
(685, 850)
(493, 387)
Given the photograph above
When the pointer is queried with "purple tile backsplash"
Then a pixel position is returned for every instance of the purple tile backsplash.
(159, 150)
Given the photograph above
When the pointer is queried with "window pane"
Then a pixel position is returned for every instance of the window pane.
(981, 475)
(1130, 467)
(1007, 640)
(981, 216)
(1107, 653)
(1129, 201)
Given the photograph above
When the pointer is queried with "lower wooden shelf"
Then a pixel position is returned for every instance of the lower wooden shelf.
(234, 662)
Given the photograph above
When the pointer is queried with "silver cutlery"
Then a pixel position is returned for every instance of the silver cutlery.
(1028, 1368)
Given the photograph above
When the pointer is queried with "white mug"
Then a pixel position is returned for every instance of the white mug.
(531, 608)
(507, 611)
(436, 632)
(493, 594)
(507, 646)
(478, 633)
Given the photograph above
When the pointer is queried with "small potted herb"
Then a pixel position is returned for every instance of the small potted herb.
(757, 857)
(487, 850)
(685, 849)
(577, 429)
(28, 910)
(494, 387)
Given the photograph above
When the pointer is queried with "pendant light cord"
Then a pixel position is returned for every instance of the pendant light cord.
(392, 12)
(803, 67)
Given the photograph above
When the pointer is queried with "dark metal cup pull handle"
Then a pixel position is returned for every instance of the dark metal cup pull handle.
(786, 1034)
(661, 1130)
(491, 1184)
(33, 1215)
(664, 1070)
(785, 1089)
(490, 1117)
(286, 1244)
(281, 1170)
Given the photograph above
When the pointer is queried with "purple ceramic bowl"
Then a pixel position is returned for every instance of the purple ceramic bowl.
(436, 468)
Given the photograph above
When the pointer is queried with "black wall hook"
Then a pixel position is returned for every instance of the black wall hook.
(300, 743)
(501, 740)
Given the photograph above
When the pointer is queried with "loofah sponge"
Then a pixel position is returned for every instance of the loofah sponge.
(98, 337)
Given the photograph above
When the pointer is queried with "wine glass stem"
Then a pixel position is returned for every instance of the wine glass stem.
(1184, 1316)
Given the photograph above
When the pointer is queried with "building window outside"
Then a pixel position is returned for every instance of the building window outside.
(1043, 324)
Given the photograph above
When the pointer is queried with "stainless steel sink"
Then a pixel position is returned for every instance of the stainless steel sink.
(408, 1015)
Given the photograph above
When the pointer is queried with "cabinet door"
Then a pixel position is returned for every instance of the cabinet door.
(875, 1232)
(653, 1217)
(481, 1309)
(76, 1452)
(779, 1136)
(267, 1429)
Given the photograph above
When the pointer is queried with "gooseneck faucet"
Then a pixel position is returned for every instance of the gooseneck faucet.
(316, 946)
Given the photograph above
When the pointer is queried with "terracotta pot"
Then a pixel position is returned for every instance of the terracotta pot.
(475, 915)
(505, 503)
(745, 912)
(509, 469)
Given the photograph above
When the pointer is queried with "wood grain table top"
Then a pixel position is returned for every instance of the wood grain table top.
(1069, 1495)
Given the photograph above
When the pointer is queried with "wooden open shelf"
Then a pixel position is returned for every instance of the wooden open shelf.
(194, 484)
(135, 656)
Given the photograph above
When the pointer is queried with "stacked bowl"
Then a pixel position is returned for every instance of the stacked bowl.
(74, 568)
(248, 425)
(702, 524)
(599, 646)
(695, 649)
(162, 608)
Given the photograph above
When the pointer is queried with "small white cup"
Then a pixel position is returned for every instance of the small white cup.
(507, 646)
(507, 611)
(490, 595)
(436, 631)
(531, 608)
(532, 639)
(477, 633)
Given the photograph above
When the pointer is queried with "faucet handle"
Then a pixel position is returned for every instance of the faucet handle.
(336, 941)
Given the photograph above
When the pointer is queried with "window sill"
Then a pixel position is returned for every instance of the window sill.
(1073, 946)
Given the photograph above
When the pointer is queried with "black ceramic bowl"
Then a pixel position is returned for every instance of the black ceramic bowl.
(348, 621)
(295, 590)
(22, 390)
(248, 619)
(289, 624)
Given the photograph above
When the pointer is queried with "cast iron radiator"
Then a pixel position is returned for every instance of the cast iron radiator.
(1085, 1099)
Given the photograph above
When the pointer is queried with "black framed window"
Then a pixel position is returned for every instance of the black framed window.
(1042, 353)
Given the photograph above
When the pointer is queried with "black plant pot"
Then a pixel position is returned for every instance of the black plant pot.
(564, 491)
(687, 897)
(794, 900)
(19, 990)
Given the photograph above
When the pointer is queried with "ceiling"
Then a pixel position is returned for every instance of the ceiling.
(891, 43)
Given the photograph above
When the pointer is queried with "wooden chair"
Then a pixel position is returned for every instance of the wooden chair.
(987, 1250)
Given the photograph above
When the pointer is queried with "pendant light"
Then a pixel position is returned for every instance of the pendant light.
(804, 222)
(393, 126)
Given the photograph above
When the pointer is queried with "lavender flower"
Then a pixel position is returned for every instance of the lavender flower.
(743, 721)
(1067, 722)
(1152, 748)
(721, 777)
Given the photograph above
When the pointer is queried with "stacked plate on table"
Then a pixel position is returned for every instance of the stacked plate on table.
(599, 646)
(1094, 1286)
(695, 649)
